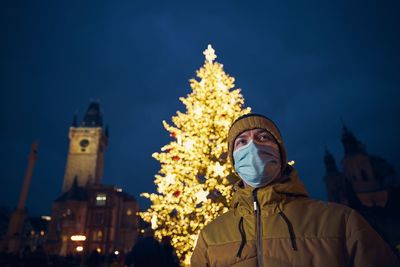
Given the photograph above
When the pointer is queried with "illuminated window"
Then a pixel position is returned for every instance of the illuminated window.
(101, 199)
(97, 235)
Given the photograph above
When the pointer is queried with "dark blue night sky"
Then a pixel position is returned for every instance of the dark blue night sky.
(305, 66)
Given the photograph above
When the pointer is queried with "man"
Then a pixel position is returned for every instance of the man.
(273, 222)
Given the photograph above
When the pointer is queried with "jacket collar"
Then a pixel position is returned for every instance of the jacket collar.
(271, 198)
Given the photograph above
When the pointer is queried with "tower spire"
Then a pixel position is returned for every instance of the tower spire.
(75, 120)
(350, 143)
(93, 116)
(330, 163)
(107, 131)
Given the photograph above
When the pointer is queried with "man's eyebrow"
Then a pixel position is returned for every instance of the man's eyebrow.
(241, 135)
(261, 131)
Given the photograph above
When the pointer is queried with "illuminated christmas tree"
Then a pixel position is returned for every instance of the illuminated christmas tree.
(194, 183)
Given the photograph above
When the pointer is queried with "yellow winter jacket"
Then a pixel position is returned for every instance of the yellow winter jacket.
(287, 228)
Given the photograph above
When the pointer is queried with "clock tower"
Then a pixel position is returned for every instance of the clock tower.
(88, 142)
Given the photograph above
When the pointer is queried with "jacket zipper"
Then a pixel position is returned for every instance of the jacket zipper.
(257, 211)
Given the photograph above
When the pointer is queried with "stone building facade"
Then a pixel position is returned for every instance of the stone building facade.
(89, 215)
(368, 184)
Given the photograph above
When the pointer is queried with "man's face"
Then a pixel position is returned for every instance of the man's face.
(259, 136)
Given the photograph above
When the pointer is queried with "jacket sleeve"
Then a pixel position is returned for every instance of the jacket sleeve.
(364, 246)
(199, 256)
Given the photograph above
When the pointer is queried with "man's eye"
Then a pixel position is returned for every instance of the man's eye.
(264, 137)
(241, 142)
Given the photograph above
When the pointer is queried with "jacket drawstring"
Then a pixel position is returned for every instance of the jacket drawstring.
(243, 235)
(290, 229)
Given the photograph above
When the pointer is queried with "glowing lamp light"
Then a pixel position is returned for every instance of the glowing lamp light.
(101, 197)
(79, 248)
(46, 218)
(116, 252)
(98, 250)
(291, 163)
(78, 238)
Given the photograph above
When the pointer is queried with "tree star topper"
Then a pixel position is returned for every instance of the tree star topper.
(210, 54)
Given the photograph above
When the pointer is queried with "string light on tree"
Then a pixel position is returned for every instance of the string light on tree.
(192, 183)
(201, 196)
(170, 179)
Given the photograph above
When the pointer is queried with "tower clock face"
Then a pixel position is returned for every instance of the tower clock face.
(84, 143)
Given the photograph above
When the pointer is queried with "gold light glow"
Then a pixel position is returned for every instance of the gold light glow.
(78, 238)
(47, 218)
(101, 197)
(192, 183)
(79, 248)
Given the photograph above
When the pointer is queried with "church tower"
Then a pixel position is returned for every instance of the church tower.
(356, 164)
(88, 142)
(334, 180)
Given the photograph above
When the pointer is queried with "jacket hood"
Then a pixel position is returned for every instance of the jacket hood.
(271, 198)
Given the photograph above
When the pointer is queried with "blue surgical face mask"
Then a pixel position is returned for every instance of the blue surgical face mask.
(257, 164)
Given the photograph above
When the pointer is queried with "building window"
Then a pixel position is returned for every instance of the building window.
(98, 218)
(101, 199)
(97, 235)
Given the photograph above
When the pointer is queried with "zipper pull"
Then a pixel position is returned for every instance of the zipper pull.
(255, 202)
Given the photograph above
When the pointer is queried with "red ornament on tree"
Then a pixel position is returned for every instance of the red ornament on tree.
(176, 158)
(176, 193)
(173, 134)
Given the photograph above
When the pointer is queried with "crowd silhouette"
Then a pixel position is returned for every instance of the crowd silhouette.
(146, 252)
